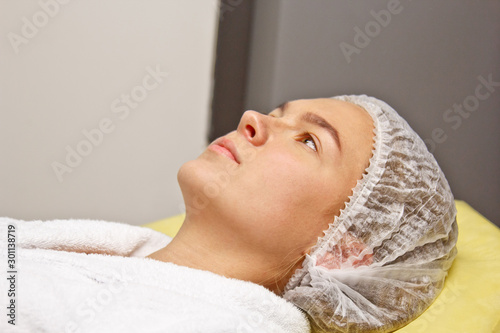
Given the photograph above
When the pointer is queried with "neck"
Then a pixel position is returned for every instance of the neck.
(200, 245)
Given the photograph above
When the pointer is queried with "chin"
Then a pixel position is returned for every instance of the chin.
(192, 178)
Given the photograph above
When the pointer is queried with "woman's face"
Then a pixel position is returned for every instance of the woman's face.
(276, 182)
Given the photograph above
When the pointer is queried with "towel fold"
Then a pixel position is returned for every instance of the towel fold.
(89, 236)
(92, 276)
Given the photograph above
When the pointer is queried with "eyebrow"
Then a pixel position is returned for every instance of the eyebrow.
(316, 120)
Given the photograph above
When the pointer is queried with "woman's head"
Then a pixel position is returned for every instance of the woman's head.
(395, 239)
(292, 172)
(372, 215)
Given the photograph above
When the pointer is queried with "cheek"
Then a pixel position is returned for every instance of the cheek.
(280, 200)
(283, 178)
(292, 194)
(295, 182)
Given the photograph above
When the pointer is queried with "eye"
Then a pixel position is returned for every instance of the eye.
(308, 140)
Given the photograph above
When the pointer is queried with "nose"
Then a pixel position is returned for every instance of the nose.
(254, 127)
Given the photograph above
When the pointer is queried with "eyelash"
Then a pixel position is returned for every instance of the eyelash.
(307, 136)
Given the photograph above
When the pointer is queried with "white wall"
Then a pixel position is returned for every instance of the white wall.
(69, 75)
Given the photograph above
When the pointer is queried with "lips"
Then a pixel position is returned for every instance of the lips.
(225, 147)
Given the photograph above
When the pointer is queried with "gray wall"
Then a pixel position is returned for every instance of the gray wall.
(427, 58)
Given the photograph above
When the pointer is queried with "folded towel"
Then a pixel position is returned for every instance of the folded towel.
(89, 236)
(91, 276)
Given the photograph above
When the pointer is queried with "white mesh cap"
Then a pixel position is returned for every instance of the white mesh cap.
(384, 259)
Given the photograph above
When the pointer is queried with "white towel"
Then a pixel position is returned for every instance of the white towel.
(105, 284)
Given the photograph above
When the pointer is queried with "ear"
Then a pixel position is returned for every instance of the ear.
(348, 252)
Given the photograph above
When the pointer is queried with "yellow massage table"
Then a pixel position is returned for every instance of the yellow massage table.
(470, 300)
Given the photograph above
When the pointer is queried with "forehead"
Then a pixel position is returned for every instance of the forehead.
(352, 122)
(328, 107)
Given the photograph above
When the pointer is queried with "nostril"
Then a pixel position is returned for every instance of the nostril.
(250, 131)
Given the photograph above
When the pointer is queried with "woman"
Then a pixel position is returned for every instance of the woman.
(306, 154)
(334, 204)
(376, 266)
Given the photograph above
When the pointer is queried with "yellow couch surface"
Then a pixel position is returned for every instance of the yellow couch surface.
(470, 300)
